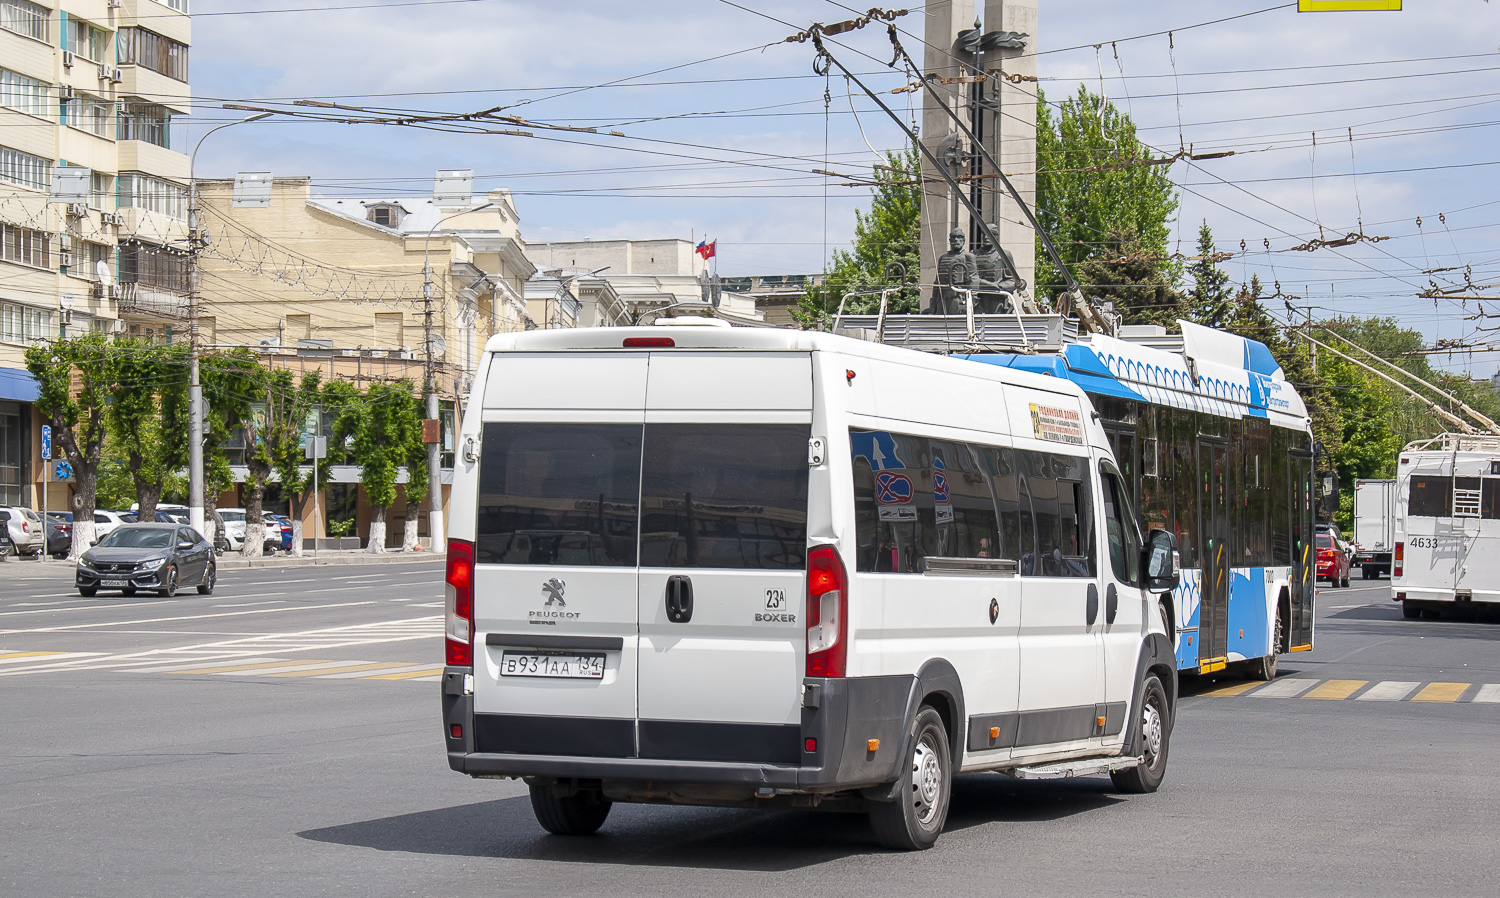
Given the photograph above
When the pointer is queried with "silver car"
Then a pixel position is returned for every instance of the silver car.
(27, 533)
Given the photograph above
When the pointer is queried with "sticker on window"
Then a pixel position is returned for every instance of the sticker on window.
(1057, 425)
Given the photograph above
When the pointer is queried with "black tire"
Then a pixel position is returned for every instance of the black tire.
(1156, 737)
(579, 814)
(1410, 610)
(169, 583)
(1431, 613)
(88, 592)
(210, 576)
(1265, 668)
(915, 819)
(1345, 582)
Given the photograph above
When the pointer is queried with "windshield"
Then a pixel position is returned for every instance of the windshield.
(1324, 542)
(232, 517)
(136, 538)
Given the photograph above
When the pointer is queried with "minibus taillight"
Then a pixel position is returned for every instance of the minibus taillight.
(827, 613)
(1398, 559)
(649, 343)
(459, 631)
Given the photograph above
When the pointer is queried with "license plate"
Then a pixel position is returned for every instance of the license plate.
(564, 665)
(114, 582)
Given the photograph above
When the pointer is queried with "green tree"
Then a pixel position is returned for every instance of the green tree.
(1096, 194)
(1211, 302)
(378, 426)
(889, 232)
(230, 380)
(289, 460)
(1137, 285)
(417, 483)
(73, 384)
(149, 378)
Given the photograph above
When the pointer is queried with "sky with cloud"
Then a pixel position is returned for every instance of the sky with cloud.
(1334, 119)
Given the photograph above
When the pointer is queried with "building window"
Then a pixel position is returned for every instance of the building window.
(85, 40)
(24, 324)
(137, 46)
(179, 5)
(101, 186)
(23, 94)
(25, 246)
(24, 17)
(153, 266)
(25, 169)
(86, 114)
(387, 216)
(145, 121)
(152, 194)
(90, 255)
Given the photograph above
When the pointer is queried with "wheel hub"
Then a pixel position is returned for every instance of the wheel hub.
(1151, 733)
(927, 780)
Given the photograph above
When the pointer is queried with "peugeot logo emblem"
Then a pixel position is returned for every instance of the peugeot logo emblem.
(554, 590)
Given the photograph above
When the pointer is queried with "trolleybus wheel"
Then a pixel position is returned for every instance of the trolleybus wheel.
(913, 821)
(1265, 668)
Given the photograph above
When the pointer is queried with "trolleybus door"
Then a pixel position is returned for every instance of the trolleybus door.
(1213, 589)
(1304, 561)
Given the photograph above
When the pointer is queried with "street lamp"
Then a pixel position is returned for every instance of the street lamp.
(195, 387)
(434, 451)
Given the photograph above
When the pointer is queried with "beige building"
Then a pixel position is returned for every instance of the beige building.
(89, 182)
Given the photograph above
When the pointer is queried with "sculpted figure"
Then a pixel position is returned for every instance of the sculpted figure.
(993, 274)
(955, 268)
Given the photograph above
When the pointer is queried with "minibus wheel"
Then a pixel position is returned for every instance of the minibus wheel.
(1156, 733)
(1410, 610)
(915, 819)
(577, 813)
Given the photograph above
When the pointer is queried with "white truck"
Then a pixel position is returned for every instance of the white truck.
(1374, 526)
(1447, 514)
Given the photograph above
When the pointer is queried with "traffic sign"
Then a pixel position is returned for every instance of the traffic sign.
(892, 489)
(876, 447)
(46, 441)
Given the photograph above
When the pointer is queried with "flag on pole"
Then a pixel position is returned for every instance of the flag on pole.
(707, 250)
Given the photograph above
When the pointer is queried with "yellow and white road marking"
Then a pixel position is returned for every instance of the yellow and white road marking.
(1388, 691)
(1441, 692)
(1336, 690)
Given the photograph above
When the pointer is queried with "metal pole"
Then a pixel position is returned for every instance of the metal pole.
(434, 451)
(195, 385)
(46, 497)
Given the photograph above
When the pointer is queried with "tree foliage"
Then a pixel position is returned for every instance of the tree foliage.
(889, 232)
(74, 378)
(1096, 197)
(380, 426)
(1211, 302)
(149, 392)
(287, 456)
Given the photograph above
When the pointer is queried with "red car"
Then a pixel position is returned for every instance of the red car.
(1333, 561)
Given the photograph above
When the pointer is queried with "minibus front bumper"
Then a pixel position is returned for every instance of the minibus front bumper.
(841, 720)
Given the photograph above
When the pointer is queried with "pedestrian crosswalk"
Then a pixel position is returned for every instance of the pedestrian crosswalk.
(1308, 689)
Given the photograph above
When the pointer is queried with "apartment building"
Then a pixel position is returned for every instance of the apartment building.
(92, 189)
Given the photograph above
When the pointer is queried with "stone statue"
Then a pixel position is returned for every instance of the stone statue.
(993, 274)
(955, 269)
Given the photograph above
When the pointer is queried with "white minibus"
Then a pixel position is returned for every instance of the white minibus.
(769, 568)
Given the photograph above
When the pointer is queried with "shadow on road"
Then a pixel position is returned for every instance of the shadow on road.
(708, 838)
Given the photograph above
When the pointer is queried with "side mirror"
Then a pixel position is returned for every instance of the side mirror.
(1160, 561)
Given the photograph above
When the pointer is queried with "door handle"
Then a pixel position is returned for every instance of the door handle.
(679, 599)
(1111, 604)
(1093, 604)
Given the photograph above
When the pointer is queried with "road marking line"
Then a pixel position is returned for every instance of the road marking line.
(427, 679)
(1441, 692)
(1489, 692)
(164, 620)
(1388, 691)
(1288, 688)
(11, 656)
(169, 667)
(364, 665)
(1336, 690)
(408, 676)
(1233, 689)
(236, 667)
(391, 669)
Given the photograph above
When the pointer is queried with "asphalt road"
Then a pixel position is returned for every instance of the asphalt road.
(281, 738)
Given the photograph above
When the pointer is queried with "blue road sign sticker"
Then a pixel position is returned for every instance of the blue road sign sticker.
(940, 487)
(877, 448)
(892, 489)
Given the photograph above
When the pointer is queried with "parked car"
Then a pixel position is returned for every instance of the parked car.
(156, 556)
(1334, 559)
(25, 526)
(179, 514)
(234, 527)
(105, 521)
(59, 533)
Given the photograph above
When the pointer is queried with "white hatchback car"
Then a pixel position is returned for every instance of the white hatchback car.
(105, 521)
(25, 527)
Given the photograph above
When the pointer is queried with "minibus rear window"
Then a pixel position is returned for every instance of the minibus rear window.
(558, 494)
(1430, 497)
(725, 496)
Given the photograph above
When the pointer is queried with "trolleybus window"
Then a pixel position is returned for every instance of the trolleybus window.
(558, 494)
(1430, 497)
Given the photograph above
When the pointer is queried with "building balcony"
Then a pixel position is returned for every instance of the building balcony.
(140, 300)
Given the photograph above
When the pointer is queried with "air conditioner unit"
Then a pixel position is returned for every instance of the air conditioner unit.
(406, 354)
(65, 257)
(67, 92)
(118, 326)
(110, 74)
(116, 4)
(67, 59)
(78, 210)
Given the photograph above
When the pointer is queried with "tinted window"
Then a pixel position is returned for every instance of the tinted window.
(1324, 541)
(559, 494)
(1120, 532)
(142, 538)
(724, 496)
(1430, 497)
(1489, 506)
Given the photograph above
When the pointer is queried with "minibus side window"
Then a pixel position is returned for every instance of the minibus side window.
(558, 494)
(725, 496)
(1430, 497)
(1120, 531)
